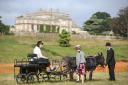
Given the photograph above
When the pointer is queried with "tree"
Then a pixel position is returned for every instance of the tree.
(0, 19)
(64, 39)
(120, 24)
(4, 29)
(101, 15)
(98, 23)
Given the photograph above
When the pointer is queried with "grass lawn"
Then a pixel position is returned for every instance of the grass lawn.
(12, 47)
(99, 79)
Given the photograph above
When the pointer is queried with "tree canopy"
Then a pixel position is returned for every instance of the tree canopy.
(98, 23)
(120, 24)
(4, 29)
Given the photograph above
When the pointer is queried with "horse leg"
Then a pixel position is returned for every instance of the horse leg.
(71, 75)
(90, 75)
(37, 76)
(85, 76)
(48, 75)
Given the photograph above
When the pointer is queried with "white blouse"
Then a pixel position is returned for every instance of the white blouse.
(37, 51)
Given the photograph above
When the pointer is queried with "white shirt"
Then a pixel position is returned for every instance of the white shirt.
(38, 52)
(109, 48)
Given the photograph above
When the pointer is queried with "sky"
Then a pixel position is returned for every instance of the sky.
(79, 10)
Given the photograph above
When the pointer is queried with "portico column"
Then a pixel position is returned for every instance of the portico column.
(38, 28)
(35, 28)
(56, 29)
(44, 27)
(27, 27)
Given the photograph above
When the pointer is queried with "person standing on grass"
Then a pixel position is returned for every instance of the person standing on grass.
(80, 62)
(110, 61)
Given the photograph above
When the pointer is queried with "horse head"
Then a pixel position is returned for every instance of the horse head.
(100, 59)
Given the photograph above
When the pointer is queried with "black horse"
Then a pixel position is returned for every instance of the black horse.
(91, 63)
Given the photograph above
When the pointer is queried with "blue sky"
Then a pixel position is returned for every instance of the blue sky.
(79, 10)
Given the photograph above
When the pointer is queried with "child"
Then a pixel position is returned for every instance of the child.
(80, 62)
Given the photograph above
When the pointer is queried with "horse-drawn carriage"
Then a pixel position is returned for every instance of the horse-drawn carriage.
(33, 69)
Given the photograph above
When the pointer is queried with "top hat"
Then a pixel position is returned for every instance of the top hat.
(108, 44)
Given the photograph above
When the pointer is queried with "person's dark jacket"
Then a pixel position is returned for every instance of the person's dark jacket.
(110, 57)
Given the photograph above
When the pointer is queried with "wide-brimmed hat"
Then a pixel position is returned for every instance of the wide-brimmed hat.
(77, 46)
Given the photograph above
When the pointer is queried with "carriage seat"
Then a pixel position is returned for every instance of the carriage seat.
(32, 58)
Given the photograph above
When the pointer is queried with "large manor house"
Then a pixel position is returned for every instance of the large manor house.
(44, 21)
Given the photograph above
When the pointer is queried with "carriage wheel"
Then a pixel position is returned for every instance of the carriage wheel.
(65, 76)
(45, 77)
(30, 78)
(20, 78)
(55, 76)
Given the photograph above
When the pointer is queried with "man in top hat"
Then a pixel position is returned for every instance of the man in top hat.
(110, 61)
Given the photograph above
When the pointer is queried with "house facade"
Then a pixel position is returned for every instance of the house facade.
(45, 21)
